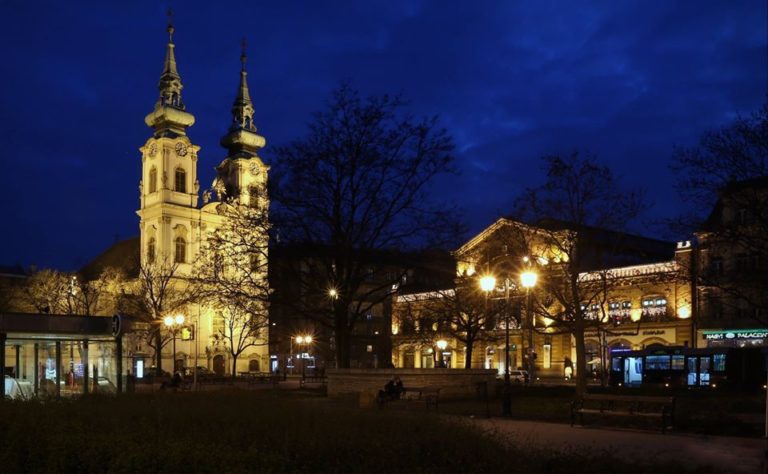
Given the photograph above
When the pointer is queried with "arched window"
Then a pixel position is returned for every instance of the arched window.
(151, 250)
(181, 250)
(153, 180)
(181, 180)
(253, 196)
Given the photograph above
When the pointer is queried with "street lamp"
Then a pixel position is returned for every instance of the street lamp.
(174, 323)
(488, 284)
(528, 280)
(442, 344)
(303, 340)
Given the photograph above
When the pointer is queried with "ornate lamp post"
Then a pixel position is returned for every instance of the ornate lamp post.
(174, 323)
(488, 284)
(442, 344)
(528, 280)
(303, 341)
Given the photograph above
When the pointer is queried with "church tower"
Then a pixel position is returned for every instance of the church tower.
(242, 176)
(169, 186)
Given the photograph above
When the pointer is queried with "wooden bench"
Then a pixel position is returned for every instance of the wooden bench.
(429, 395)
(264, 377)
(321, 379)
(628, 406)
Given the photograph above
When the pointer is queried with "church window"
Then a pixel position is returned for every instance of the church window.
(181, 250)
(153, 180)
(217, 325)
(151, 250)
(181, 180)
(253, 193)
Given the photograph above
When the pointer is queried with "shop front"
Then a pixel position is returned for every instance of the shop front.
(60, 356)
(734, 338)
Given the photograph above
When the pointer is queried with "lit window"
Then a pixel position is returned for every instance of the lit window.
(181, 180)
(181, 250)
(153, 180)
(151, 250)
(253, 196)
(719, 363)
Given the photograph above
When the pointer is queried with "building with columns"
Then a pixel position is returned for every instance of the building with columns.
(646, 301)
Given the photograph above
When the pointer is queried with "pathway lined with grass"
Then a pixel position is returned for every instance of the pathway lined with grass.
(720, 453)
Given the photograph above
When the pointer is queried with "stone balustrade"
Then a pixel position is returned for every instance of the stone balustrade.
(454, 383)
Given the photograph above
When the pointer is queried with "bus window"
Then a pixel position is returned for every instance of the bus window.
(678, 362)
(718, 363)
(704, 370)
(693, 378)
(657, 362)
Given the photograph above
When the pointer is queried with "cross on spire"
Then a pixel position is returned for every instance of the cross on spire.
(170, 25)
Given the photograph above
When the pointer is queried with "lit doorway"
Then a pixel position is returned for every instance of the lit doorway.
(633, 370)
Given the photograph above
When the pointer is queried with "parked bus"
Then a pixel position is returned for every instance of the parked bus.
(684, 367)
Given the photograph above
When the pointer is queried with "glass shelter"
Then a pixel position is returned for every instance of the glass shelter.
(60, 356)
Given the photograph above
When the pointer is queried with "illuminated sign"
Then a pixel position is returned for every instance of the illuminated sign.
(736, 334)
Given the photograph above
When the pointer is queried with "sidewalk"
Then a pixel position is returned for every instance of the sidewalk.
(725, 454)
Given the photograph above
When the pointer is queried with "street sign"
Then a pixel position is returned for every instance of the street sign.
(117, 324)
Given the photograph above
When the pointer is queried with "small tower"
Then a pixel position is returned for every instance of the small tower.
(242, 176)
(169, 186)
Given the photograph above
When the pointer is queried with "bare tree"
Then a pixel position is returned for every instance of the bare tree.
(725, 181)
(159, 293)
(579, 199)
(357, 185)
(469, 316)
(231, 276)
(50, 292)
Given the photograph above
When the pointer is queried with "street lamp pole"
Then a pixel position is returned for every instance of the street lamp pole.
(488, 284)
(173, 323)
(528, 280)
(506, 402)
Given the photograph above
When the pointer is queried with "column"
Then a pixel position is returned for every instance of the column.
(36, 362)
(119, 362)
(86, 367)
(3, 337)
(58, 369)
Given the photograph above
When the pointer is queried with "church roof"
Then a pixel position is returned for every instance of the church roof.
(123, 255)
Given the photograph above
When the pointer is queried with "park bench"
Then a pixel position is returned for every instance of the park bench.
(429, 395)
(628, 406)
(261, 377)
(321, 379)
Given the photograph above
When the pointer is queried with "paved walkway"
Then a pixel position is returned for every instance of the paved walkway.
(725, 454)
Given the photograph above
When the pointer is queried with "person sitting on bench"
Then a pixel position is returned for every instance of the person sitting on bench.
(392, 390)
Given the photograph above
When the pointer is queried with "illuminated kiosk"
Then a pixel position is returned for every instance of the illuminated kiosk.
(56, 355)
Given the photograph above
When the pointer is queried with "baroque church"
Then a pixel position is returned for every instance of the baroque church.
(174, 223)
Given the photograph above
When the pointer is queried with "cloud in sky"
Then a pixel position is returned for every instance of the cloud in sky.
(510, 80)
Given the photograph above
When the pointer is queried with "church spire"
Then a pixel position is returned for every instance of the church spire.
(242, 139)
(170, 82)
(169, 117)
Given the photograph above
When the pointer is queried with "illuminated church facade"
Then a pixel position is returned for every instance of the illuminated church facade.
(175, 220)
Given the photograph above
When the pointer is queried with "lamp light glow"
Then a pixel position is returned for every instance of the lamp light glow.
(528, 279)
(179, 319)
(168, 321)
(487, 283)
(442, 344)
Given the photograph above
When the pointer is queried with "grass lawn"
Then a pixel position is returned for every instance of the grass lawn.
(696, 411)
(258, 432)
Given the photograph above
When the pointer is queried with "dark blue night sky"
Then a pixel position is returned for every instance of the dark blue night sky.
(510, 80)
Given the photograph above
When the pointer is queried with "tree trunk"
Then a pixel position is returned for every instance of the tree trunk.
(342, 347)
(234, 366)
(468, 355)
(581, 361)
(159, 352)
